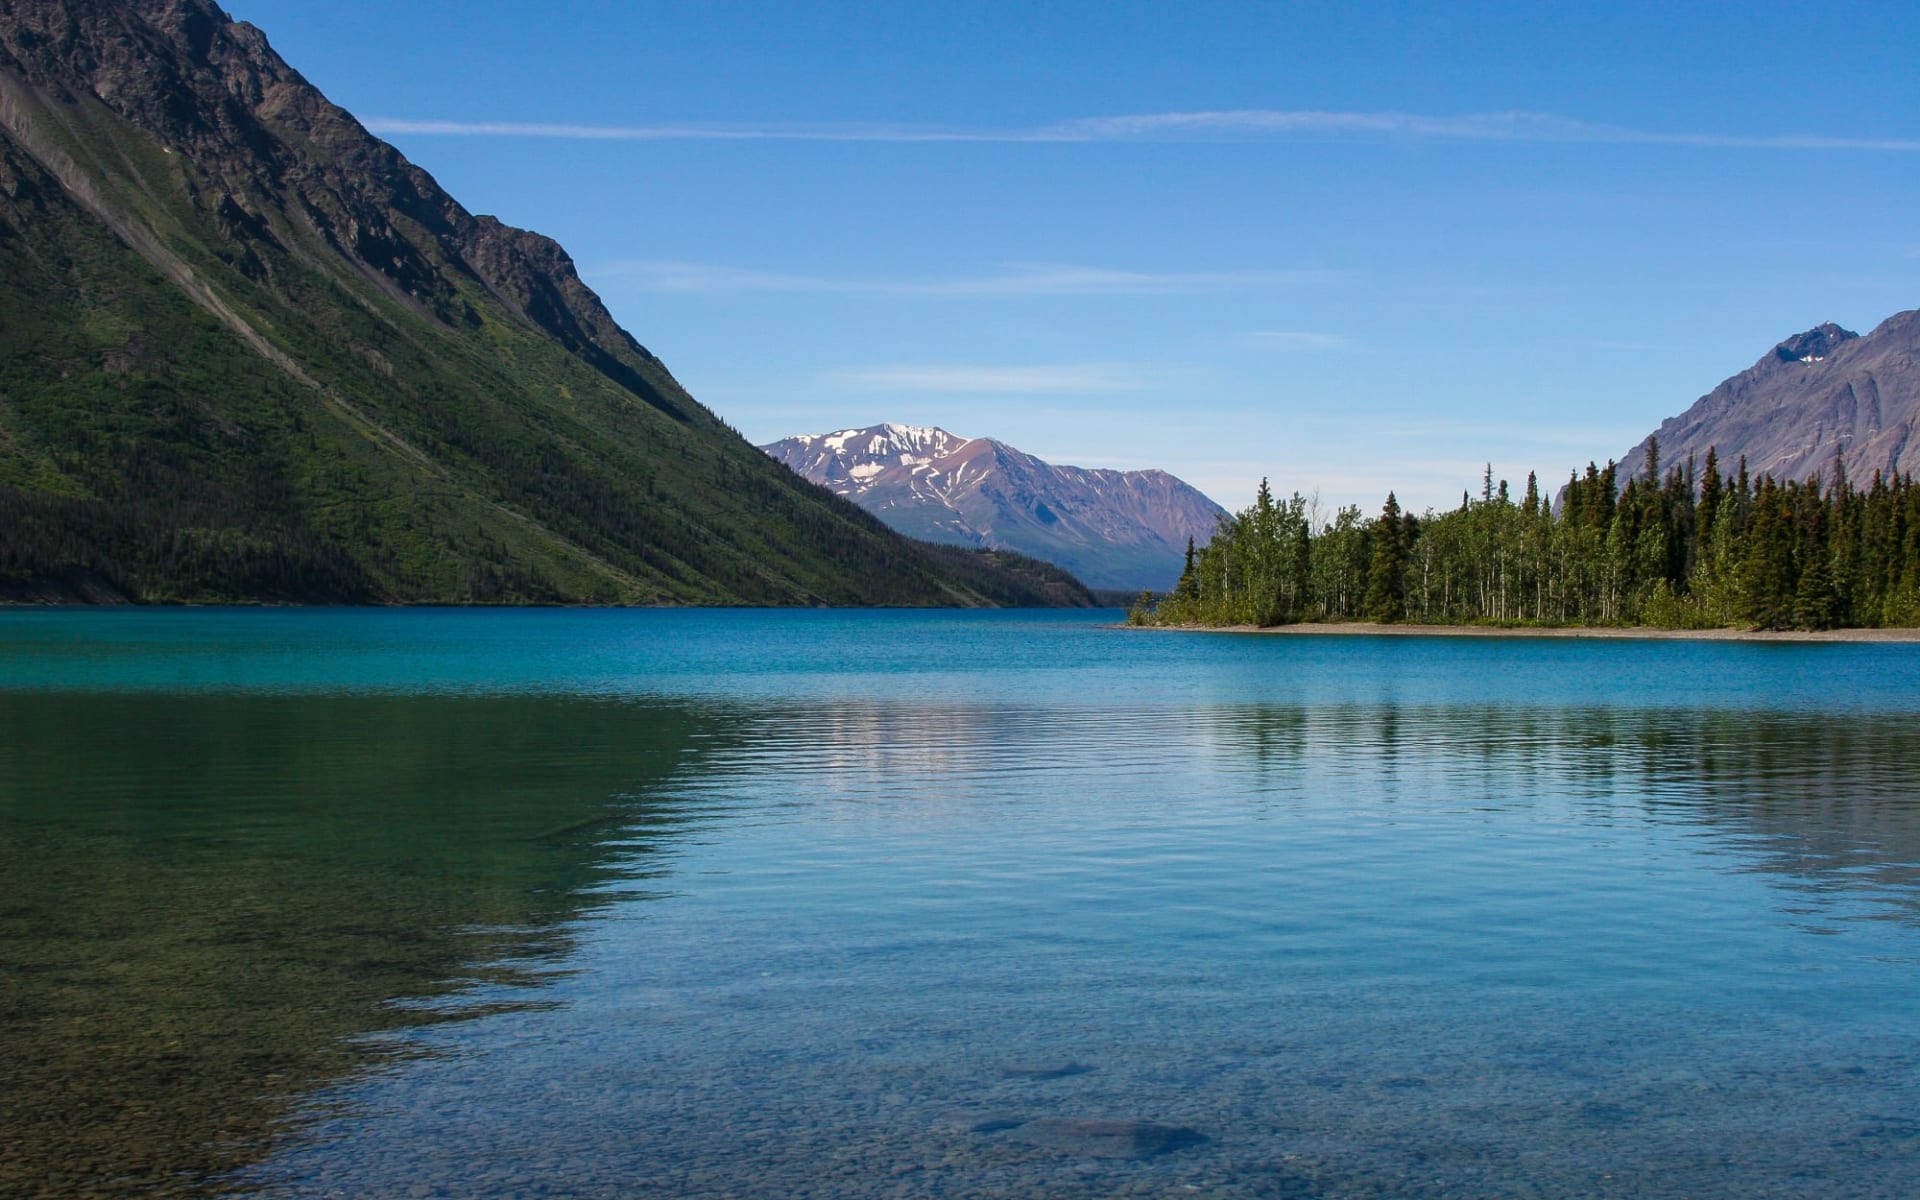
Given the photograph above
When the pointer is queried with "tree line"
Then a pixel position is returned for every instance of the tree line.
(1690, 549)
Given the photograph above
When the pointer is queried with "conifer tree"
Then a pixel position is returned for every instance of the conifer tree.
(1767, 576)
(1813, 597)
(1386, 580)
(1709, 502)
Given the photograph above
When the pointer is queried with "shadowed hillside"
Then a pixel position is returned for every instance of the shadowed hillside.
(250, 352)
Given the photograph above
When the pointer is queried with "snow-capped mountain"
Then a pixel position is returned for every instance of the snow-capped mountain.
(1113, 529)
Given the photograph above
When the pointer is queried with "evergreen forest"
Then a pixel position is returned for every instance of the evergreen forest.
(1695, 548)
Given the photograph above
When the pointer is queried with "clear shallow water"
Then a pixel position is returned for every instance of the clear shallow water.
(778, 904)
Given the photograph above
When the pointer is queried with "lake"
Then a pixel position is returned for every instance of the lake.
(428, 903)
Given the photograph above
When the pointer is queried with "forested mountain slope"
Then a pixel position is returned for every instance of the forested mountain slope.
(250, 352)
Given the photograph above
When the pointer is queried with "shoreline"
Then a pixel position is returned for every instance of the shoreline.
(1616, 632)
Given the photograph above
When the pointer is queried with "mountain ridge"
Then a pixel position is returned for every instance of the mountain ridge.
(248, 351)
(1121, 530)
(1817, 396)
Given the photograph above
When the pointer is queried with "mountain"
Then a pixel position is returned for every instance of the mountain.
(250, 352)
(1112, 529)
(1820, 393)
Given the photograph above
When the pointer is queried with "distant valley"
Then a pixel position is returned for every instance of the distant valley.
(1121, 530)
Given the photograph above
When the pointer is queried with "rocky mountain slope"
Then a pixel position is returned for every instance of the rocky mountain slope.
(250, 352)
(1820, 393)
(1112, 529)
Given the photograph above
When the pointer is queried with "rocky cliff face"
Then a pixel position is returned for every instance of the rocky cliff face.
(1819, 395)
(1112, 529)
(249, 351)
(259, 146)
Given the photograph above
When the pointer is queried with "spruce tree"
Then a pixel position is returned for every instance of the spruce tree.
(1386, 580)
(1813, 598)
(1768, 575)
(1709, 493)
(1189, 586)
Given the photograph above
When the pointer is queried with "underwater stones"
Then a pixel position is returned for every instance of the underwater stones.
(1060, 1072)
(1105, 1139)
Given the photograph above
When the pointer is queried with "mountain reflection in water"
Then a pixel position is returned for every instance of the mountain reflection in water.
(718, 904)
(214, 902)
(1831, 805)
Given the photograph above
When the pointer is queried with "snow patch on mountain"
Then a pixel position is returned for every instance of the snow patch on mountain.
(1114, 529)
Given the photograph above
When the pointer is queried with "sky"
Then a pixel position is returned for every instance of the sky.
(1348, 247)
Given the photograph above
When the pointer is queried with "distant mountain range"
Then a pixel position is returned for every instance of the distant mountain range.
(1111, 529)
(249, 352)
(1820, 394)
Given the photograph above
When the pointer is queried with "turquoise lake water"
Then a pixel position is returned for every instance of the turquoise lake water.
(311, 903)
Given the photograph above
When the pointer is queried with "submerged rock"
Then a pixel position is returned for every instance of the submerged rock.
(1060, 1072)
(1106, 1139)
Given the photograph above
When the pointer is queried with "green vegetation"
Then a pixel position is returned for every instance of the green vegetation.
(1693, 549)
(1009, 579)
(226, 379)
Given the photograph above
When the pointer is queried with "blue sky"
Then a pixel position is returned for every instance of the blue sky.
(1350, 247)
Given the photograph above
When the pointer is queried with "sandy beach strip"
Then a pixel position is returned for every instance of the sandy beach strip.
(1369, 629)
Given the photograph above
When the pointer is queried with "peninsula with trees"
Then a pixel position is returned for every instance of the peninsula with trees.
(1747, 511)
(1697, 547)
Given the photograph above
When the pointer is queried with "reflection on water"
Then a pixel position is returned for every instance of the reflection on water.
(212, 902)
(1832, 804)
(1372, 920)
(1365, 950)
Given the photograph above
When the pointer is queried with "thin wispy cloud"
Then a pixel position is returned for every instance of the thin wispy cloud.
(1300, 340)
(1277, 124)
(695, 132)
(1053, 379)
(1260, 125)
(1039, 279)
